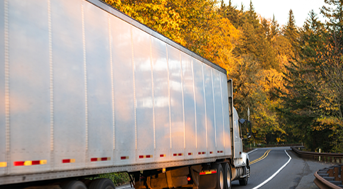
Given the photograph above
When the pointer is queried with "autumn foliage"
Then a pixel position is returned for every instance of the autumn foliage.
(291, 78)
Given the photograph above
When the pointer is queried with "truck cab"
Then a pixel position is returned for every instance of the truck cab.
(240, 167)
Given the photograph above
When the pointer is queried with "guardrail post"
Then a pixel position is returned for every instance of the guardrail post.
(320, 151)
(330, 172)
(336, 173)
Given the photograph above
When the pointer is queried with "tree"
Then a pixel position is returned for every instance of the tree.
(331, 59)
(291, 31)
(232, 13)
(296, 71)
(153, 13)
(313, 101)
(252, 17)
(275, 30)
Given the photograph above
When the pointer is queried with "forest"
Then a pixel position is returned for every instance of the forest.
(290, 77)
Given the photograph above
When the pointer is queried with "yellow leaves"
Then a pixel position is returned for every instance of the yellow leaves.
(220, 38)
(330, 121)
(156, 15)
(271, 79)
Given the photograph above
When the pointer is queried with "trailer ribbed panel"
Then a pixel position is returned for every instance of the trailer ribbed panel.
(177, 129)
(200, 108)
(68, 82)
(210, 123)
(144, 101)
(219, 106)
(161, 100)
(124, 95)
(99, 85)
(189, 106)
(90, 89)
(29, 78)
(4, 108)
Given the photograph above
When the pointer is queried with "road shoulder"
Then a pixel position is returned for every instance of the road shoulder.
(306, 177)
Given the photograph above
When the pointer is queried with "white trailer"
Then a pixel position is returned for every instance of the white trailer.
(85, 90)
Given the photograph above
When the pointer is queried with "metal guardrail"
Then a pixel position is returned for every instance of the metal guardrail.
(247, 149)
(329, 177)
(325, 157)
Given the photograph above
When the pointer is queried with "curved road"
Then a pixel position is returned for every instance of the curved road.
(298, 173)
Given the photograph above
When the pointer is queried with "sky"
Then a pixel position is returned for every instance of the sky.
(280, 8)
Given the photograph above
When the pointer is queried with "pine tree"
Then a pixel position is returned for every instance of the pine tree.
(232, 13)
(252, 17)
(312, 23)
(333, 55)
(331, 59)
(266, 28)
(313, 82)
(274, 28)
(291, 31)
(334, 12)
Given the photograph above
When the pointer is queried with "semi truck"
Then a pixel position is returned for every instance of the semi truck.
(86, 90)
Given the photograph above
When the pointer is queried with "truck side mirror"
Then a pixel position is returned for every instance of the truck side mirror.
(242, 121)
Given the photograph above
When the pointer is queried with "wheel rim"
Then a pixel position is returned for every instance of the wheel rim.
(221, 180)
(228, 179)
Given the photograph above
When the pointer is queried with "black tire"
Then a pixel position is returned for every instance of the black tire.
(227, 176)
(73, 184)
(244, 182)
(102, 184)
(220, 177)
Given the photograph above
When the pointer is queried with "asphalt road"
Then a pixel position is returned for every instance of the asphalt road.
(296, 174)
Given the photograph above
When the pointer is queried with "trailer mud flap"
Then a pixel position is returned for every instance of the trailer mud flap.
(169, 179)
(195, 171)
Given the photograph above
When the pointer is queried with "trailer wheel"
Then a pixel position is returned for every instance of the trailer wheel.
(102, 184)
(244, 182)
(227, 175)
(73, 184)
(220, 177)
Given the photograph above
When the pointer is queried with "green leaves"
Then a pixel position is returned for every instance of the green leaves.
(314, 82)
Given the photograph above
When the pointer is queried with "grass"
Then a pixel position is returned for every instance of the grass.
(117, 178)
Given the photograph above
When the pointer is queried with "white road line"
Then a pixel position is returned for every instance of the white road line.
(271, 177)
(251, 151)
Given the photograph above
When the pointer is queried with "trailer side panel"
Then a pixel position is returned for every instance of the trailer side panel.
(90, 89)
